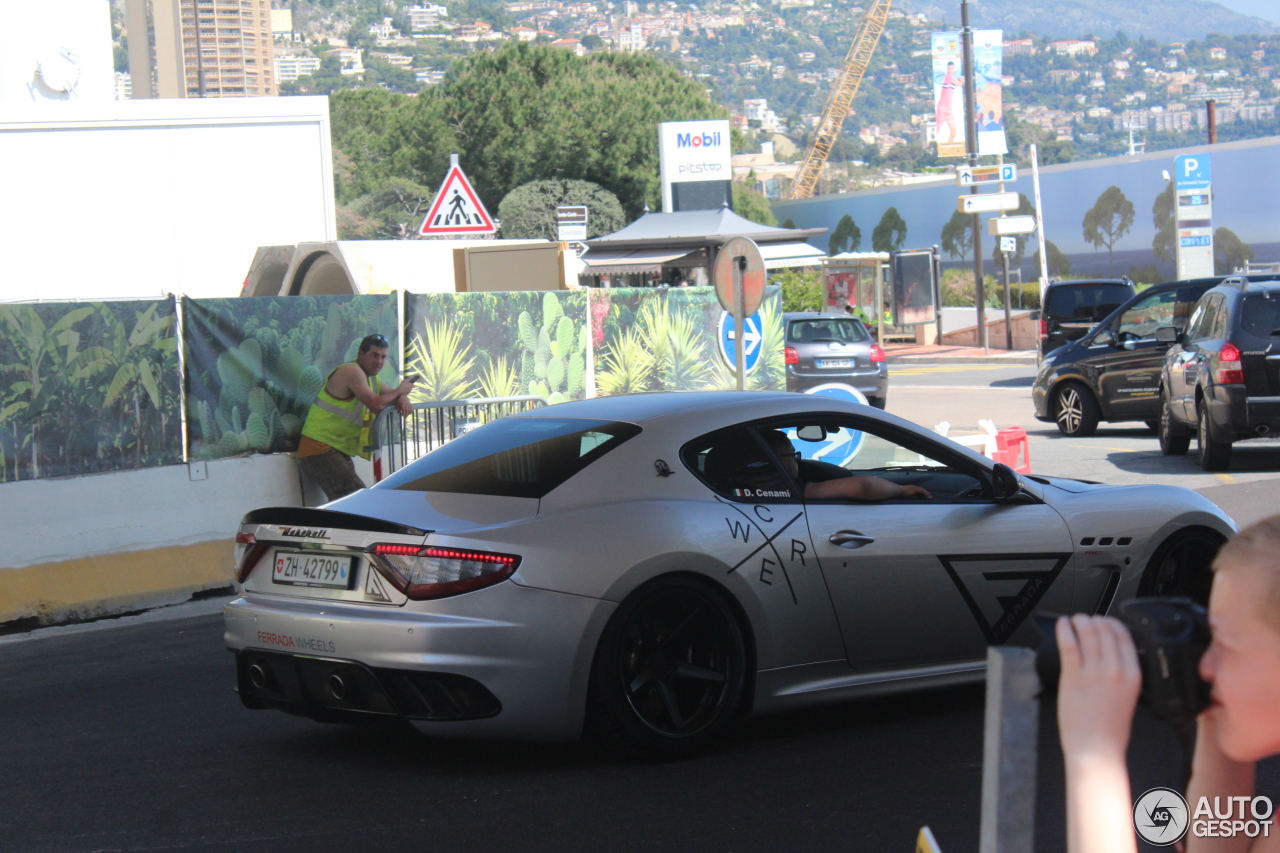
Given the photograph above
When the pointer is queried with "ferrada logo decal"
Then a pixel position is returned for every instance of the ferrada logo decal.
(305, 533)
(985, 588)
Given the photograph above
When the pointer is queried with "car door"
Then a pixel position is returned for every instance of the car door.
(1186, 364)
(1130, 382)
(918, 582)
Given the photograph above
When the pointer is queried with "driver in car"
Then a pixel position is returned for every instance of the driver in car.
(842, 488)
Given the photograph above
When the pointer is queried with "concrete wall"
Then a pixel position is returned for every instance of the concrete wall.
(1026, 331)
(138, 198)
(90, 546)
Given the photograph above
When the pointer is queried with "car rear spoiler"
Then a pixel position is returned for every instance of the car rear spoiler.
(301, 516)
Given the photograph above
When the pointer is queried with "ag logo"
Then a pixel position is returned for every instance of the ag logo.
(1160, 817)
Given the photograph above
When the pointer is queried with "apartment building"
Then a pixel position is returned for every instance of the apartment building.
(226, 48)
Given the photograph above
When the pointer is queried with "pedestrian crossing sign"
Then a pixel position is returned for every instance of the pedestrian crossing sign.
(457, 208)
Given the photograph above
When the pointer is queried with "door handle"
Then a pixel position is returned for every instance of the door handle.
(850, 539)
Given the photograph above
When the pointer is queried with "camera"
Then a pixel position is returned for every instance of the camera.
(1171, 635)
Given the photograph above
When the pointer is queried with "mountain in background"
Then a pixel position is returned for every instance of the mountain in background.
(1167, 20)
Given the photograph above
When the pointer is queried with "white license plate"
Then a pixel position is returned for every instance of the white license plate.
(312, 569)
(835, 362)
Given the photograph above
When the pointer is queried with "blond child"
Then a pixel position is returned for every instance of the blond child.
(1099, 689)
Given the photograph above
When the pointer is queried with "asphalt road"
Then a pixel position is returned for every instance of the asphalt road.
(126, 735)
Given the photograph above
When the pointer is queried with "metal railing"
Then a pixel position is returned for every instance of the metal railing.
(397, 440)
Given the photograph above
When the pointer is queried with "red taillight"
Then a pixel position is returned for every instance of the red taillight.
(252, 554)
(1044, 327)
(877, 354)
(1230, 371)
(427, 573)
(791, 355)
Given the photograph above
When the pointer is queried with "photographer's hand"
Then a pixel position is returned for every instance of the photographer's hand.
(1097, 694)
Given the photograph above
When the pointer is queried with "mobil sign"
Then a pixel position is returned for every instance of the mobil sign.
(692, 152)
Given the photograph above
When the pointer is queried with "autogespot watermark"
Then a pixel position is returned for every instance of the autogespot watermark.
(1161, 817)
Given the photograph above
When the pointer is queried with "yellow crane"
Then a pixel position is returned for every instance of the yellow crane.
(842, 95)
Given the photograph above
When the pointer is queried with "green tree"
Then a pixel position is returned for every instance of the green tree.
(529, 212)
(526, 112)
(1162, 217)
(847, 237)
(802, 289)
(1229, 252)
(890, 233)
(751, 205)
(1059, 264)
(393, 210)
(957, 235)
(1107, 221)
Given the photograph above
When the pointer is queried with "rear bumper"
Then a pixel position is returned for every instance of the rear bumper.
(870, 383)
(505, 662)
(1234, 415)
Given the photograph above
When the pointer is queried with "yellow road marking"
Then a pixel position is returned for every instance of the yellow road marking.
(1226, 478)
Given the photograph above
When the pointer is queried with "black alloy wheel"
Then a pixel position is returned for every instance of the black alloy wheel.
(1077, 411)
(1174, 440)
(1182, 566)
(1212, 454)
(670, 671)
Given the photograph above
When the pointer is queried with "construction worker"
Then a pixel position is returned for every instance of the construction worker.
(337, 426)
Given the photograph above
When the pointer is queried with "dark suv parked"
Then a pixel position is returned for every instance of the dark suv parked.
(822, 348)
(1072, 308)
(1113, 372)
(1221, 378)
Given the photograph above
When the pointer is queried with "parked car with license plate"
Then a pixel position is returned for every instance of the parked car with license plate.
(824, 348)
(1221, 377)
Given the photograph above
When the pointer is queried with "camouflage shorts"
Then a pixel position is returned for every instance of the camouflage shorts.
(334, 472)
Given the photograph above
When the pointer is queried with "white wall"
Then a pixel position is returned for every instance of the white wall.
(69, 39)
(139, 198)
(72, 517)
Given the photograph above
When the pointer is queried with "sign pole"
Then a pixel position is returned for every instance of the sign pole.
(1008, 305)
(1044, 254)
(971, 148)
(739, 322)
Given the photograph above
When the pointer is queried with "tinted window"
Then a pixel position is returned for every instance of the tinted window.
(1148, 314)
(1086, 302)
(1261, 315)
(844, 329)
(735, 464)
(512, 457)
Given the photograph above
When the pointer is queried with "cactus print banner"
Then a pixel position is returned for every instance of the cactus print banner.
(497, 344)
(254, 366)
(667, 339)
(88, 387)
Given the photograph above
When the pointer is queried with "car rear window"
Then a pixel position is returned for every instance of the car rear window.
(844, 329)
(1261, 315)
(513, 457)
(1088, 302)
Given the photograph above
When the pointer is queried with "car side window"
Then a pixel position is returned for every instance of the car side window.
(734, 464)
(1221, 320)
(1202, 320)
(1146, 315)
(834, 447)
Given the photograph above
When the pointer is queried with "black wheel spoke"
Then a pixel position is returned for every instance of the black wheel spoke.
(683, 627)
(669, 702)
(699, 673)
(642, 678)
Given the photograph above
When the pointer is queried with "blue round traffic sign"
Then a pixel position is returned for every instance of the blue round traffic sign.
(843, 444)
(752, 341)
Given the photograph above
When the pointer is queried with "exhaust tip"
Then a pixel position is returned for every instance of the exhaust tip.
(257, 676)
(337, 686)
(1262, 429)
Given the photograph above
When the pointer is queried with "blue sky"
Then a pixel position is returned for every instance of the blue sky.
(1266, 9)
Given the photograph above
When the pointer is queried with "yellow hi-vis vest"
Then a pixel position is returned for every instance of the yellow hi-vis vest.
(342, 424)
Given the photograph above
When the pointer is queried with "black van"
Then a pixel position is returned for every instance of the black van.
(1113, 372)
(1072, 308)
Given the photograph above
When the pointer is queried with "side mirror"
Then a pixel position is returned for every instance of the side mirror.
(1104, 338)
(1167, 335)
(1005, 482)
